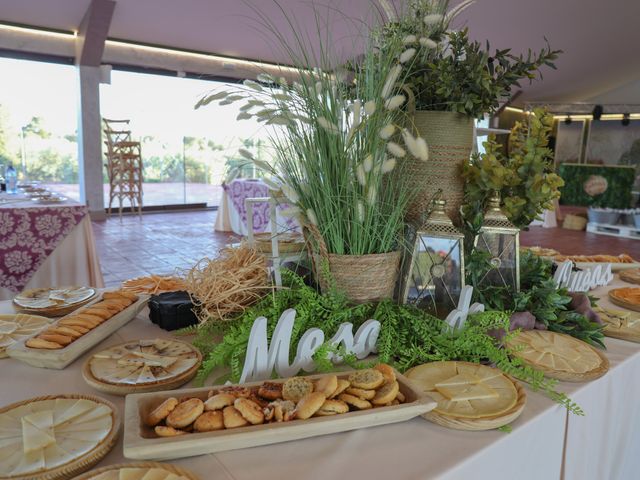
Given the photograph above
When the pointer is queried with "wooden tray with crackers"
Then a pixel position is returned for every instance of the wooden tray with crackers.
(470, 396)
(190, 422)
(69, 337)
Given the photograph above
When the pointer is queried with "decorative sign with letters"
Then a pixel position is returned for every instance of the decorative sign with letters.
(262, 358)
(457, 318)
(583, 280)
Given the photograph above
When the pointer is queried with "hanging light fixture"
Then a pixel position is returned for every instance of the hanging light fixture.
(567, 121)
(626, 120)
(500, 240)
(434, 270)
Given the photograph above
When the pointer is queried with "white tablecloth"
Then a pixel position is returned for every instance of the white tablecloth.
(545, 442)
(605, 444)
(74, 262)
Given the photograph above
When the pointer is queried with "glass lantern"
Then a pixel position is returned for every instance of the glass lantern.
(501, 240)
(434, 274)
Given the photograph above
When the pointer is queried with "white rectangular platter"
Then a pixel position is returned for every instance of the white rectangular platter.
(59, 359)
(141, 443)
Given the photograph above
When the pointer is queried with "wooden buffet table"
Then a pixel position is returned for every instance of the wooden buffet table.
(546, 442)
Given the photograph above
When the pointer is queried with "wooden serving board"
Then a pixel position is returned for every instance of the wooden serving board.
(165, 466)
(59, 359)
(83, 462)
(126, 389)
(141, 443)
(485, 423)
(621, 303)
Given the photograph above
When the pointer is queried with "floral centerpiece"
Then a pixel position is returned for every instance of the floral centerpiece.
(451, 80)
(336, 148)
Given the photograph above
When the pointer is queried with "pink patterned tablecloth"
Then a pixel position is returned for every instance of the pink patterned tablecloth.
(28, 235)
(239, 190)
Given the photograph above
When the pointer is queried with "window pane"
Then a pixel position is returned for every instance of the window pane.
(185, 152)
(37, 127)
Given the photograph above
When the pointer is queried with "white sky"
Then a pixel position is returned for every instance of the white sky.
(157, 105)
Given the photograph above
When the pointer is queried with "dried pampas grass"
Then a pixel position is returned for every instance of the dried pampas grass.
(227, 285)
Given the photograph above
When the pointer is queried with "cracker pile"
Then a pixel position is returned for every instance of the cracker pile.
(297, 398)
(73, 326)
(622, 258)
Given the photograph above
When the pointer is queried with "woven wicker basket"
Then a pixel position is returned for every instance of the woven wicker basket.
(574, 222)
(362, 278)
(449, 136)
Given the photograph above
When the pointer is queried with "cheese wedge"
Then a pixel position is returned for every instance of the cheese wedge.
(37, 431)
(155, 474)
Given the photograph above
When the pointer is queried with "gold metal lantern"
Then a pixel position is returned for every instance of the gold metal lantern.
(500, 239)
(434, 272)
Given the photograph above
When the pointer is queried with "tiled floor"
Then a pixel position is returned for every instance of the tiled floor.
(160, 243)
(156, 243)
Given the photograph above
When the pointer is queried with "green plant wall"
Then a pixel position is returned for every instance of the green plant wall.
(617, 195)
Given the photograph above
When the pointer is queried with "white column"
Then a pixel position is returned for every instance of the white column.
(90, 161)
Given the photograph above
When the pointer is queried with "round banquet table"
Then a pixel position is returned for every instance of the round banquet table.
(546, 441)
(45, 245)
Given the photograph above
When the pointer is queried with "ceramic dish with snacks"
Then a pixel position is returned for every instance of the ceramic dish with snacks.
(53, 301)
(55, 437)
(69, 337)
(20, 326)
(142, 366)
(204, 420)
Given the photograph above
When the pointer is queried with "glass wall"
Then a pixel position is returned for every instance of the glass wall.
(38, 123)
(186, 153)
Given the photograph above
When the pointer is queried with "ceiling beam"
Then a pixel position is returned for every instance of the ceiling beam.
(93, 32)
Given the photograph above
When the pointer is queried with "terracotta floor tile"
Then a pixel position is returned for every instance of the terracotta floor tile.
(160, 243)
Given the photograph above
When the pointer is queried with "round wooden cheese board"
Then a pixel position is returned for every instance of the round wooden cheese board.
(90, 423)
(568, 348)
(168, 467)
(129, 367)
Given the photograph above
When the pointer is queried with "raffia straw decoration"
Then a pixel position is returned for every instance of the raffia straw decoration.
(227, 285)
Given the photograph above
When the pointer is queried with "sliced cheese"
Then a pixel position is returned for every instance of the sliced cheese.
(132, 473)
(460, 393)
(155, 474)
(37, 431)
(460, 379)
(72, 409)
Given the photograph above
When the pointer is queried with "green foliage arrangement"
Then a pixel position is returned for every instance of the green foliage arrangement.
(337, 141)
(538, 294)
(620, 180)
(525, 177)
(452, 73)
(408, 336)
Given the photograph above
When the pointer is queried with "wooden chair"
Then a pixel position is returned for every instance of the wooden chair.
(124, 165)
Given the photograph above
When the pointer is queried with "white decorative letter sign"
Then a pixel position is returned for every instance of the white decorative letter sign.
(458, 317)
(584, 280)
(262, 358)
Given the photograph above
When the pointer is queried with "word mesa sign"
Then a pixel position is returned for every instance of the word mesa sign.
(262, 358)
